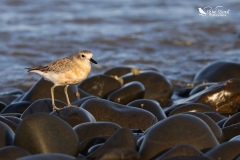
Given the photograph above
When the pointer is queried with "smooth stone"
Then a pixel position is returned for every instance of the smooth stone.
(120, 153)
(227, 150)
(6, 135)
(180, 150)
(18, 107)
(231, 131)
(42, 106)
(74, 116)
(2, 106)
(129, 92)
(223, 97)
(95, 129)
(123, 138)
(85, 145)
(157, 87)
(128, 117)
(13, 119)
(192, 107)
(232, 120)
(200, 88)
(45, 133)
(183, 92)
(42, 89)
(221, 122)
(51, 156)
(9, 122)
(215, 116)
(122, 70)
(79, 102)
(18, 115)
(217, 131)
(150, 105)
(100, 85)
(236, 138)
(217, 72)
(175, 130)
(12, 152)
(94, 148)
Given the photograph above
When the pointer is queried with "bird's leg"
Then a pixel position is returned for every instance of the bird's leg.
(53, 102)
(66, 93)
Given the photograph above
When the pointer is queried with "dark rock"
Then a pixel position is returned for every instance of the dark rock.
(123, 138)
(6, 135)
(42, 89)
(218, 71)
(129, 92)
(94, 148)
(74, 116)
(128, 117)
(223, 97)
(120, 153)
(200, 88)
(85, 145)
(44, 133)
(12, 152)
(18, 115)
(51, 156)
(221, 122)
(89, 130)
(181, 150)
(192, 107)
(100, 85)
(157, 87)
(13, 119)
(81, 101)
(175, 130)
(232, 120)
(10, 123)
(236, 138)
(231, 131)
(215, 116)
(149, 105)
(212, 125)
(18, 107)
(227, 150)
(42, 106)
(2, 106)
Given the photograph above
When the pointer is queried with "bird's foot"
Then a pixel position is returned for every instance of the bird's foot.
(72, 106)
(56, 108)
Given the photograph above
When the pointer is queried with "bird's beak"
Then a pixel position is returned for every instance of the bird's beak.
(92, 60)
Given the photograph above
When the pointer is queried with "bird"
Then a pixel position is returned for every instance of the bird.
(202, 13)
(63, 72)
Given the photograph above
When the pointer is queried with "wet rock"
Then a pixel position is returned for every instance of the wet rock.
(42, 106)
(81, 101)
(44, 133)
(85, 145)
(128, 117)
(8, 122)
(2, 106)
(175, 130)
(236, 138)
(18, 115)
(100, 85)
(42, 89)
(74, 116)
(120, 153)
(18, 107)
(12, 152)
(232, 120)
(149, 105)
(200, 88)
(192, 107)
(181, 150)
(231, 131)
(123, 138)
(129, 92)
(212, 125)
(13, 119)
(95, 129)
(157, 87)
(227, 150)
(6, 135)
(215, 116)
(218, 71)
(223, 97)
(53, 156)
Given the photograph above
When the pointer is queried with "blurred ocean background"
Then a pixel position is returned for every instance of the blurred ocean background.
(168, 35)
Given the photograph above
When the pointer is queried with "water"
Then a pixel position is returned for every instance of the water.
(168, 35)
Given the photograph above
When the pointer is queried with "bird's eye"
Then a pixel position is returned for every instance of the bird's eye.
(83, 56)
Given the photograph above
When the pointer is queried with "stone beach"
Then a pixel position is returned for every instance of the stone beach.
(127, 113)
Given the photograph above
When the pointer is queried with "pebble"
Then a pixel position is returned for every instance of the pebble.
(12, 152)
(6, 135)
(17, 107)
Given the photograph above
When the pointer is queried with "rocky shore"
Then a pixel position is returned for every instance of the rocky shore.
(128, 113)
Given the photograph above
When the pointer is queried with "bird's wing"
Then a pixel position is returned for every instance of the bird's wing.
(57, 66)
